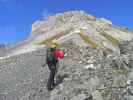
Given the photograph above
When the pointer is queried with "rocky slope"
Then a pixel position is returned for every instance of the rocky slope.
(75, 25)
(84, 74)
(91, 69)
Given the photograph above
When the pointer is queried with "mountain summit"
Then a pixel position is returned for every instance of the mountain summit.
(79, 27)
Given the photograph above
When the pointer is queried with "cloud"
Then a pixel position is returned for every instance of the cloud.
(46, 14)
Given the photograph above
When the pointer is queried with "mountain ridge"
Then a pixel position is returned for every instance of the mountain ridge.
(98, 30)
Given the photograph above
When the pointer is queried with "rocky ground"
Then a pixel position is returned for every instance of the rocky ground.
(84, 74)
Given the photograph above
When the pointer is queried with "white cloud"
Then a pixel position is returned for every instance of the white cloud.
(46, 14)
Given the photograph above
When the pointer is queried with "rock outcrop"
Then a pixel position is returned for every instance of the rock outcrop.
(76, 25)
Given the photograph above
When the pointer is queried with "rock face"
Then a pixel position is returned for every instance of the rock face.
(86, 73)
(76, 25)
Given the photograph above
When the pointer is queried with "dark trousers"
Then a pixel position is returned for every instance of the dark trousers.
(50, 82)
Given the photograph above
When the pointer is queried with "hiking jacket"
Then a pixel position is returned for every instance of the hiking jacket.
(51, 59)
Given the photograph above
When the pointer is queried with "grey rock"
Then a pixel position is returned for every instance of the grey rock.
(119, 81)
(94, 82)
(97, 95)
(129, 98)
(79, 97)
(130, 90)
(130, 76)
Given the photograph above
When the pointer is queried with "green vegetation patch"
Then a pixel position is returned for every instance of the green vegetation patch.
(88, 40)
(47, 41)
(113, 40)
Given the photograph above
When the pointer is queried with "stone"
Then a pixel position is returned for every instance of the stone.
(129, 82)
(80, 62)
(119, 81)
(130, 90)
(90, 66)
(129, 98)
(130, 76)
(97, 95)
(94, 82)
(79, 97)
(66, 54)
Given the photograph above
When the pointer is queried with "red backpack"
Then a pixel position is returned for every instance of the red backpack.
(59, 54)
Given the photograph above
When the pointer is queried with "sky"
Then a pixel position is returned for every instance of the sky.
(17, 16)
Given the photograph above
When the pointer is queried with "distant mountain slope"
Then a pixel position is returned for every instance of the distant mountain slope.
(82, 28)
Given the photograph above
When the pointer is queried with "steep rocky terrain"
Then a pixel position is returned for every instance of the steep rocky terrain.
(91, 69)
(84, 74)
(75, 25)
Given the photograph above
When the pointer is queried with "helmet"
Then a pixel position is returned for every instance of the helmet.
(53, 46)
(54, 43)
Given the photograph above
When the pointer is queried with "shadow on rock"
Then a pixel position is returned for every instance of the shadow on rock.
(60, 78)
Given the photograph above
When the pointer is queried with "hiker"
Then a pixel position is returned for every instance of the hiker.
(52, 60)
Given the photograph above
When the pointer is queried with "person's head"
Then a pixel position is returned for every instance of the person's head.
(53, 46)
(54, 43)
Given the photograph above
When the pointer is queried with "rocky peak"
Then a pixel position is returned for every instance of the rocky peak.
(82, 28)
(61, 18)
(78, 26)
